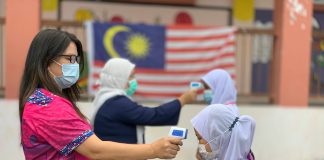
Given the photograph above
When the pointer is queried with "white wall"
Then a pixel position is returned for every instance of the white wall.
(9, 131)
(281, 133)
(143, 13)
(259, 4)
(217, 3)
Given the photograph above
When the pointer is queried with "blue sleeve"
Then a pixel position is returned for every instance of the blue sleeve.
(133, 113)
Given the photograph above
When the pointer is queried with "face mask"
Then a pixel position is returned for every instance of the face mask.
(132, 87)
(204, 154)
(70, 75)
(208, 96)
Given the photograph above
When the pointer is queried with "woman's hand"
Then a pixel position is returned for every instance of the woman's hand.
(188, 97)
(166, 148)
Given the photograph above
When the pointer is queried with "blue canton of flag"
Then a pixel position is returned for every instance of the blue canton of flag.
(142, 44)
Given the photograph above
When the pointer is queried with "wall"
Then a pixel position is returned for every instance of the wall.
(149, 14)
(259, 4)
(2, 8)
(281, 133)
(2, 47)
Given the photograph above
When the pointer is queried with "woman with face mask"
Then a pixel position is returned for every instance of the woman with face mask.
(118, 118)
(223, 134)
(52, 126)
(219, 88)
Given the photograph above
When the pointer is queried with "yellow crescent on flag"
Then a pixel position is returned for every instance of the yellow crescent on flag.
(109, 36)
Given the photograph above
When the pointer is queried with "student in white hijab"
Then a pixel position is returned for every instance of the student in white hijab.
(219, 88)
(221, 85)
(223, 134)
(117, 117)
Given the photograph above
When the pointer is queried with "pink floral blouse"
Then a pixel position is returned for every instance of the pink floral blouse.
(51, 128)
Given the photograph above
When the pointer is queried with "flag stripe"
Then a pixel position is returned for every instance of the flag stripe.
(176, 50)
(201, 60)
(212, 37)
(199, 55)
(150, 94)
(164, 89)
(170, 83)
(198, 33)
(170, 72)
(190, 27)
(200, 44)
(224, 63)
(167, 79)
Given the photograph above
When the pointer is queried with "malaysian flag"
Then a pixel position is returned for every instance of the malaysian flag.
(167, 58)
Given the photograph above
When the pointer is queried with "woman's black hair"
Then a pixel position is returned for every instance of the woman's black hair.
(46, 46)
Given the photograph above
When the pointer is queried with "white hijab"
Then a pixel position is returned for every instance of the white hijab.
(222, 86)
(214, 121)
(113, 79)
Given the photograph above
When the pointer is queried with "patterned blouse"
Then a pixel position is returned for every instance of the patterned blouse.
(51, 128)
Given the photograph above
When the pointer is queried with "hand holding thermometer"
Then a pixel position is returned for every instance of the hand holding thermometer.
(178, 132)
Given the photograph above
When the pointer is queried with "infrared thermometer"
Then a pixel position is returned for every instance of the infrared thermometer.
(195, 85)
(178, 132)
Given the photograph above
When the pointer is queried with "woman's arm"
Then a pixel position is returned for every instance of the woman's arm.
(128, 111)
(188, 97)
(96, 149)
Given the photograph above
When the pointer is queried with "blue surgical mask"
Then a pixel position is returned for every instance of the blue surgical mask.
(70, 75)
(208, 96)
(132, 87)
